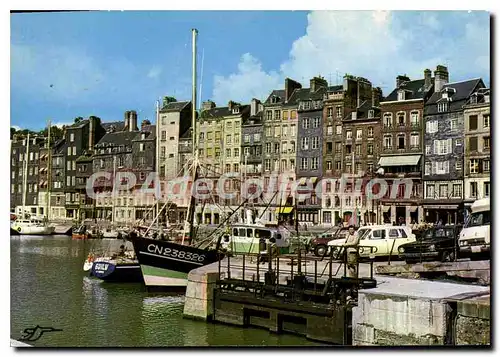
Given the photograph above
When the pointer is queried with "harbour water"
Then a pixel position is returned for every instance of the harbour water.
(50, 289)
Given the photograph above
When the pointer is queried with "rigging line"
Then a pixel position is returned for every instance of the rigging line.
(201, 78)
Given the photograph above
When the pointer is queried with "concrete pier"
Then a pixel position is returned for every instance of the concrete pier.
(412, 312)
(398, 311)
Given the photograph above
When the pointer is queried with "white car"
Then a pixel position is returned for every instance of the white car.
(385, 238)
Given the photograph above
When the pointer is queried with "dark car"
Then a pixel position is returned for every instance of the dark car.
(319, 245)
(434, 244)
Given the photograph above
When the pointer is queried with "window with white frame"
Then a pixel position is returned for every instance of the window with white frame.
(473, 189)
(401, 95)
(453, 124)
(329, 112)
(486, 121)
(306, 123)
(348, 134)
(359, 134)
(388, 120)
(268, 148)
(441, 167)
(487, 189)
(387, 141)
(304, 163)
(256, 137)
(72, 137)
(315, 122)
(267, 164)
(69, 150)
(246, 138)
(414, 118)
(314, 163)
(292, 130)
(315, 142)
(443, 147)
(329, 130)
(443, 190)
(442, 107)
(284, 130)
(304, 143)
(474, 166)
(431, 127)
(458, 165)
(371, 113)
(414, 140)
(338, 129)
(369, 149)
(74, 150)
(428, 168)
(339, 111)
(369, 132)
(486, 165)
(457, 190)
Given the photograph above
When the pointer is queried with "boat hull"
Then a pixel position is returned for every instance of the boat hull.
(116, 271)
(33, 230)
(165, 265)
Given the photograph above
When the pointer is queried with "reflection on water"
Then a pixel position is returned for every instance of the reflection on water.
(49, 288)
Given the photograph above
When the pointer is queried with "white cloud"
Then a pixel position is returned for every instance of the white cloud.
(155, 72)
(15, 127)
(376, 45)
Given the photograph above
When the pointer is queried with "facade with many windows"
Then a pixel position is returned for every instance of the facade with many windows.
(477, 158)
(444, 150)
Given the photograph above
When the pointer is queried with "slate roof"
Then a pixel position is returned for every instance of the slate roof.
(463, 90)
(257, 119)
(80, 124)
(219, 112)
(276, 93)
(118, 126)
(414, 90)
(150, 131)
(362, 112)
(118, 138)
(174, 107)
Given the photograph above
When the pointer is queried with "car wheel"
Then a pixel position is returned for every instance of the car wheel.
(320, 250)
(447, 256)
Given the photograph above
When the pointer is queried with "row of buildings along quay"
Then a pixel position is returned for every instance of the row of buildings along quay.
(429, 130)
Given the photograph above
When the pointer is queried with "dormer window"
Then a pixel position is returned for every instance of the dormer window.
(473, 98)
(401, 95)
(444, 95)
(353, 115)
(143, 136)
(236, 110)
(487, 98)
(442, 107)
(370, 113)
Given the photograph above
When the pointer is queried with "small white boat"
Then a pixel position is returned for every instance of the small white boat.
(32, 226)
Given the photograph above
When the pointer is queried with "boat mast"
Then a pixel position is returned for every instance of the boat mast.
(49, 171)
(113, 192)
(157, 189)
(25, 177)
(190, 215)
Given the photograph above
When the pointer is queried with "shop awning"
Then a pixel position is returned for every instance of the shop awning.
(406, 160)
(284, 210)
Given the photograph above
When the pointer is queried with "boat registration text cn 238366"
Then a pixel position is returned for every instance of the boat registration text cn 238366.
(175, 253)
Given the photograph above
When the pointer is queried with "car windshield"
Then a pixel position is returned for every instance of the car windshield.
(437, 233)
(363, 233)
(479, 219)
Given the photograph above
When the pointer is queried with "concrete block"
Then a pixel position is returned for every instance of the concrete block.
(197, 309)
(363, 333)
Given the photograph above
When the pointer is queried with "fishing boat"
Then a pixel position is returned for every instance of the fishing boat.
(82, 232)
(166, 264)
(31, 226)
(118, 266)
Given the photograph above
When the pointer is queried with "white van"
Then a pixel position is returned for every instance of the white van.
(474, 240)
(385, 238)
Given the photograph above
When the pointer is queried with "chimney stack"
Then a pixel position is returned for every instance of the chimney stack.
(317, 82)
(427, 78)
(208, 105)
(290, 86)
(254, 107)
(132, 120)
(401, 79)
(126, 120)
(441, 77)
(230, 105)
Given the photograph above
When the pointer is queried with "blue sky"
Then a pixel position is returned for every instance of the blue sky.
(65, 65)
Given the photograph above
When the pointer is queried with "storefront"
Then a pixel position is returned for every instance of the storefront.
(446, 212)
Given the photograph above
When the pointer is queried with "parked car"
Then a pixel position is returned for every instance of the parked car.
(385, 239)
(319, 245)
(437, 243)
